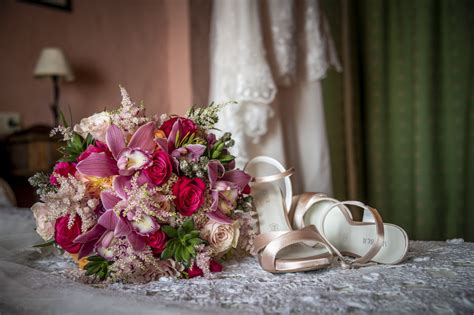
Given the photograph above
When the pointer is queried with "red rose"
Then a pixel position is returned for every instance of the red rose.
(214, 266)
(157, 241)
(246, 190)
(98, 147)
(65, 236)
(187, 126)
(62, 169)
(161, 169)
(189, 193)
(195, 271)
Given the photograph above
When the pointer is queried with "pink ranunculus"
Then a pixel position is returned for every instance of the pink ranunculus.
(62, 169)
(159, 172)
(189, 193)
(188, 126)
(65, 236)
(98, 147)
(157, 241)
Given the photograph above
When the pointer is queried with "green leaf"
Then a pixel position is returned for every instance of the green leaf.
(192, 251)
(95, 258)
(76, 140)
(89, 140)
(185, 275)
(186, 254)
(195, 241)
(93, 270)
(191, 138)
(181, 232)
(194, 234)
(187, 237)
(101, 274)
(177, 254)
(169, 231)
(167, 253)
(226, 158)
(173, 244)
(188, 225)
(62, 119)
(176, 144)
(91, 264)
(215, 154)
(47, 244)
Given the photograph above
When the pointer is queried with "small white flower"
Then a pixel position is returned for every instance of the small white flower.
(96, 125)
(44, 227)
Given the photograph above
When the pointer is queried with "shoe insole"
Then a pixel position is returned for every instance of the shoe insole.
(269, 205)
(356, 240)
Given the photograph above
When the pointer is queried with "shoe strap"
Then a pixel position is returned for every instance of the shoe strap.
(303, 202)
(376, 246)
(268, 245)
(274, 177)
(283, 174)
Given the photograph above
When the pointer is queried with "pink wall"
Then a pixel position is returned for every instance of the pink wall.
(179, 50)
(141, 44)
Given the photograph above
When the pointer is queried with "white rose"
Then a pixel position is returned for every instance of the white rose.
(96, 125)
(221, 237)
(44, 227)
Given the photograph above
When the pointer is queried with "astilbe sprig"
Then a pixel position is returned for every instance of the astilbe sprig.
(139, 266)
(41, 182)
(129, 116)
(248, 231)
(64, 131)
(206, 117)
(203, 259)
(150, 201)
(71, 198)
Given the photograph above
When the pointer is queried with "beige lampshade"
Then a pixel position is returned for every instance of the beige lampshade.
(53, 62)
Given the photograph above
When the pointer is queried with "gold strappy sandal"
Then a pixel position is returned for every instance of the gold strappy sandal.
(367, 241)
(279, 247)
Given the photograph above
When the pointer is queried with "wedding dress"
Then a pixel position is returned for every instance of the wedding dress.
(269, 58)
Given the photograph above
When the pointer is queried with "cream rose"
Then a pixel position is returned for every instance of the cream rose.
(44, 227)
(96, 125)
(221, 237)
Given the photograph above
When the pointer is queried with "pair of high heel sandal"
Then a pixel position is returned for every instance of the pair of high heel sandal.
(311, 231)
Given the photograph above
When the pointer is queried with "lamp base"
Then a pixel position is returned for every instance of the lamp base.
(55, 105)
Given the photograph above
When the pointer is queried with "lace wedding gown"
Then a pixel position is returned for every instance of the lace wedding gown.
(270, 58)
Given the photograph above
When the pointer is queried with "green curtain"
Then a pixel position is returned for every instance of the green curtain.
(413, 63)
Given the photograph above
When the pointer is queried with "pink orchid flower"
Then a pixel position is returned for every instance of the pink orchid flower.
(225, 187)
(190, 152)
(109, 225)
(127, 158)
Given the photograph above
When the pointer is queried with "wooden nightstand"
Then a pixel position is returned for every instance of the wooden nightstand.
(25, 153)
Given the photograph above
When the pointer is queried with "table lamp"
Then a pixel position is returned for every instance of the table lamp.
(52, 63)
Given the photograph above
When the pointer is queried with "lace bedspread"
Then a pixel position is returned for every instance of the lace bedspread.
(437, 277)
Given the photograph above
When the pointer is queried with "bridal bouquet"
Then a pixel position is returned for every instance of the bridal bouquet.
(137, 198)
